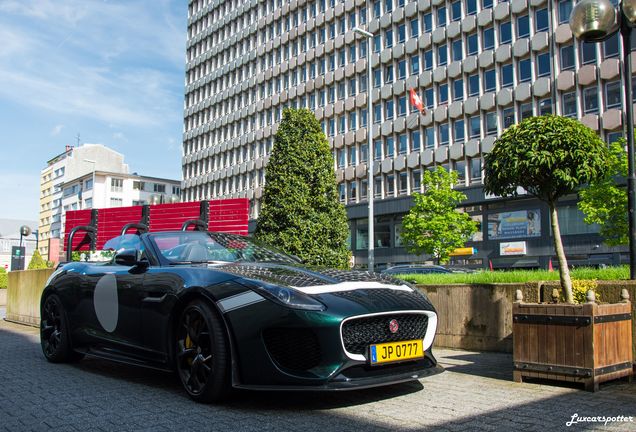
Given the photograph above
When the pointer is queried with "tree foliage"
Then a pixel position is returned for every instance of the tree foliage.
(4, 279)
(604, 201)
(548, 156)
(301, 213)
(433, 225)
(37, 262)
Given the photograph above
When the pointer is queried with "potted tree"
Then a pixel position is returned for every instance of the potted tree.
(550, 157)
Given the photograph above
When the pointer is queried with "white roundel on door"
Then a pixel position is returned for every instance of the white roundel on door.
(106, 302)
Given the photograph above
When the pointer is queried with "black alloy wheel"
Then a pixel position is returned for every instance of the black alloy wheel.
(202, 356)
(54, 335)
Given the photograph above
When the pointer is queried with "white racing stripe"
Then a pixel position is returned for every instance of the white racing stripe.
(239, 300)
(350, 286)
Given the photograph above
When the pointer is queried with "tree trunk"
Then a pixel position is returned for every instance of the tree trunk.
(564, 271)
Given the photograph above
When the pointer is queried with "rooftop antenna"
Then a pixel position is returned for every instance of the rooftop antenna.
(78, 139)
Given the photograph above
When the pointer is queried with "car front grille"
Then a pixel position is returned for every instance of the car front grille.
(359, 333)
(292, 348)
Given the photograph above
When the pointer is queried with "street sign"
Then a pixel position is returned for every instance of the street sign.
(17, 257)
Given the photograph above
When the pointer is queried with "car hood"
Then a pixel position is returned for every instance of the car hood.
(347, 288)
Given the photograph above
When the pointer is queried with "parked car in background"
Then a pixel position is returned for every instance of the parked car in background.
(415, 269)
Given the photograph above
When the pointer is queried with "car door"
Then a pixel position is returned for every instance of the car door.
(111, 298)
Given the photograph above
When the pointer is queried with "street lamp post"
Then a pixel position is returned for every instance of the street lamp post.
(370, 185)
(595, 21)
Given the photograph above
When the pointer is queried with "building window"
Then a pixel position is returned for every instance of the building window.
(443, 133)
(457, 50)
(389, 111)
(489, 38)
(116, 202)
(415, 141)
(523, 26)
(415, 28)
(475, 169)
(442, 55)
(471, 44)
(565, 9)
(443, 93)
(489, 80)
(138, 185)
(88, 184)
(569, 104)
(458, 131)
(390, 147)
(390, 185)
(415, 65)
(474, 124)
(507, 79)
(590, 100)
(416, 180)
(508, 117)
(505, 32)
(428, 60)
(567, 57)
(402, 108)
(525, 110)
(456, 10)
(403, 146)
(402, 69)
(543, 64)
(610, 46)
(588, 52)
(613, 94)
(116, 184)
(458, 89)
(473, 85)
(404, 183)
(491, 123)
(541, 20)
(545, 106)
(525, 70)
(441, 17)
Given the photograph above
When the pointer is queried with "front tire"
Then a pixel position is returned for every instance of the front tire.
(54, 332)
(202, 353)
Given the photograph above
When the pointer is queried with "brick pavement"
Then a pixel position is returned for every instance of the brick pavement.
(475, 393)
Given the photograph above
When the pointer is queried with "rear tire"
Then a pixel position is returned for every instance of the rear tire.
(202, 354)
(54, 332)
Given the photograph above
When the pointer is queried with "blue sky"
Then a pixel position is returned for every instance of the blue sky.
(110, 70)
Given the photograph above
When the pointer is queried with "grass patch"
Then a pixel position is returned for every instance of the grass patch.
(516, 276)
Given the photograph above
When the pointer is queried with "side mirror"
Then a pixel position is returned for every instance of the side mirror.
(128, 257)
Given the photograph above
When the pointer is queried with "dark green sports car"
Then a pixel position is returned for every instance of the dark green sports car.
(225, 311)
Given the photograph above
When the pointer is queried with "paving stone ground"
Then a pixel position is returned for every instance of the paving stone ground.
(475, 393)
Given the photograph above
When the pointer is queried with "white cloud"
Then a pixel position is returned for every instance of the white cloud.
(57, 129)
(117, 63)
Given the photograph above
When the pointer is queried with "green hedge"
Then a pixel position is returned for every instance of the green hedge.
(4, 278)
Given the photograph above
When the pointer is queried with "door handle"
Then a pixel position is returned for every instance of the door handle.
(155, 297)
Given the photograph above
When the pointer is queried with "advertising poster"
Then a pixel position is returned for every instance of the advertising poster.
(512, 248)
(516, 224)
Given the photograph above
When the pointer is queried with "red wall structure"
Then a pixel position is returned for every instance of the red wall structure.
(224, 215)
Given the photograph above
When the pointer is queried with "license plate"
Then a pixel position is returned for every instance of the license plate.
(395, 351)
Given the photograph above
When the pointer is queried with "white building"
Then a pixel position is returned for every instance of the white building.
(92, 176)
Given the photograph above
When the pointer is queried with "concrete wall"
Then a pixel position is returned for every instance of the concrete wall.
(479, 317)
(23, 295)
(476, 317)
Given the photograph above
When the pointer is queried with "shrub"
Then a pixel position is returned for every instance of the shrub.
(4, 279)
(37, 262)
(580, 287)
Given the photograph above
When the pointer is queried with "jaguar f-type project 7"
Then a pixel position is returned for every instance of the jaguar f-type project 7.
(225, 311)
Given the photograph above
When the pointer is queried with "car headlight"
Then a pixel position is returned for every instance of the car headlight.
(285, 296)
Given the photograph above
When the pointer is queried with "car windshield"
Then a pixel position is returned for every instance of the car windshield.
(186, 247)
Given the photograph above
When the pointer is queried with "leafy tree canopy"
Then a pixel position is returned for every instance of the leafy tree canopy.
(301, 213)
(604, 201)
(549, 156)
(433, 225)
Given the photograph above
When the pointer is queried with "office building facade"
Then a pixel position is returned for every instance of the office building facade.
(478, 65)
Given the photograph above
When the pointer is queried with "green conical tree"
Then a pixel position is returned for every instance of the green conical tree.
(300, 212)
(37, 262)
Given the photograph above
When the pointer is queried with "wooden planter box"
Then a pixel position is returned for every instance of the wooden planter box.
(588, 343)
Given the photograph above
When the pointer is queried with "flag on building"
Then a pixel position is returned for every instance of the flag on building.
(416, 101)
